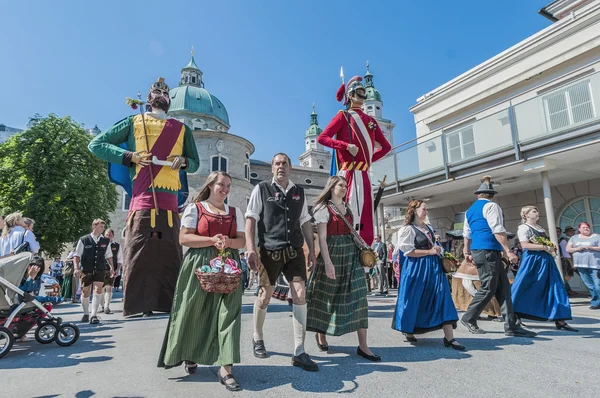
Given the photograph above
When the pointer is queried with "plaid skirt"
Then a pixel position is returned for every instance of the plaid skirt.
(337, 307)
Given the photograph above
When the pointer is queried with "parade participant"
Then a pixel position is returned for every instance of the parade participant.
(336, 294)
(152, 266)
(204, 327)
(380, 248)
(117, 256)
(56, 269)
(279, 209)
(68, 290)
(538, 291)
(92, 261)
(485, 240)
(465, 283)
(585, 250)
(355, 150)
(424, 301)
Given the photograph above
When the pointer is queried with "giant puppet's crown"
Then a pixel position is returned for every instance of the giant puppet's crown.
(159, 84)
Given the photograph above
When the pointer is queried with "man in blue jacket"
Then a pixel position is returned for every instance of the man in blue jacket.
(485, 240)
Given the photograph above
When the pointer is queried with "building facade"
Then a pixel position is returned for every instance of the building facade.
(529, 117)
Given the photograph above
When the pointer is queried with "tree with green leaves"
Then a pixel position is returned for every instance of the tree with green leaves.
(48, 174)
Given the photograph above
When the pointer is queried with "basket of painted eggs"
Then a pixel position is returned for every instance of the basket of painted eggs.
(223, 275)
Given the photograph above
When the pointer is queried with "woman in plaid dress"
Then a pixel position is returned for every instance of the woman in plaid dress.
(337, 291)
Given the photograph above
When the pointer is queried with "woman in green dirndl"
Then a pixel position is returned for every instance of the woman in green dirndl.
(337, 290)
(204, 328)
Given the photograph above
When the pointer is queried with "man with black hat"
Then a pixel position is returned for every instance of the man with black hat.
(278, 208)
(485, 240)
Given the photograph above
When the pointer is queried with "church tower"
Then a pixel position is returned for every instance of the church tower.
(373, 106)
(315, 156)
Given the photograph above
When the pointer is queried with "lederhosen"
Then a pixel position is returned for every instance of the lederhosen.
(93, 262)
(280, 236)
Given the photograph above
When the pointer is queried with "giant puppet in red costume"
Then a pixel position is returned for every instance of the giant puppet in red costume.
(356, 134)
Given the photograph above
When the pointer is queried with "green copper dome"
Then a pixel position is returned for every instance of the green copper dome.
(191, 95)
(372, 93)
(197, 100)
(313, 130)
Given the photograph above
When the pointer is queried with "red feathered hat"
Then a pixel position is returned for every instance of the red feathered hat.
(353, 84)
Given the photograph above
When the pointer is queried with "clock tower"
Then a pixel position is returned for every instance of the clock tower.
(315, 156)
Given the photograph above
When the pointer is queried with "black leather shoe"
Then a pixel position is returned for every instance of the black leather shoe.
(85, 318)
(519, 332)
(147, 314)
(190, 367)
(322, 347)
(361, 353)
(94, 320)
(259, 348)
(594, 307)
(473, 328)
(410, 338)
(303, 361)
(565, 326)
(233, 386)
(450, 343)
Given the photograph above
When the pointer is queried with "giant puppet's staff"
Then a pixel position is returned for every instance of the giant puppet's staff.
(135, 104)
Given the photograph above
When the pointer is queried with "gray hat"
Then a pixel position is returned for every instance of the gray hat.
(486, 186)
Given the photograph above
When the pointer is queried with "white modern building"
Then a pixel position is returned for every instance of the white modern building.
(529, 117)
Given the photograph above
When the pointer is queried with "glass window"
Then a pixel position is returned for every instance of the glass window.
(215, 163)
(581, 210)
(223, 164)
(126, 201)
(193, 79)
(461, 144)
(246, 172)
(570, 105)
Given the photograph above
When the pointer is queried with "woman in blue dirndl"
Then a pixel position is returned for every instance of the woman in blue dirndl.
(538, 291)
(424, 300)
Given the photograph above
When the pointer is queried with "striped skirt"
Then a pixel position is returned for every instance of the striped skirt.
(337, 307)
(203, 327)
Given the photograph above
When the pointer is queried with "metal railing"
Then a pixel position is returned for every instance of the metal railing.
(565, 108)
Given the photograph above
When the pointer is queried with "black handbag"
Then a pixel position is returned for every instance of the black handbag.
(23, 247)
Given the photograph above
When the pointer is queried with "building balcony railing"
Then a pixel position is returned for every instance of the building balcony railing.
(550, 115)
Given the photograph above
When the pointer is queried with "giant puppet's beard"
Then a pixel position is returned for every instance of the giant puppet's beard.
(160, 102)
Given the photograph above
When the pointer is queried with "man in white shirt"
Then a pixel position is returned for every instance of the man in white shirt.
(485, 240)
(278, 208)
(109, 281)
(93, 259)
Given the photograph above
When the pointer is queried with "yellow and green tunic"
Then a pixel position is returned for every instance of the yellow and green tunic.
(152, 250)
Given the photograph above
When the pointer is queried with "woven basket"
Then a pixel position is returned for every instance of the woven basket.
(218, 282)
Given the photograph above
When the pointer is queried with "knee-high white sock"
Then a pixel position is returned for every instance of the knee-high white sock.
(299, 320)
(107, 299)
(85, 304)
(259, 321)
(96, 303)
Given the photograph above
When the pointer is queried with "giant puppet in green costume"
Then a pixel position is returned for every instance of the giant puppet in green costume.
(159, 147)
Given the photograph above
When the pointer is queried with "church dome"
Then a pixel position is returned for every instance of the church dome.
(313, 130)
(191, 96)
(198, 100)
(371, 92)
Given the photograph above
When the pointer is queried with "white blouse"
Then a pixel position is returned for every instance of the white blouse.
(525, 233)
(406, 238)
(190, 216)
(321, 216)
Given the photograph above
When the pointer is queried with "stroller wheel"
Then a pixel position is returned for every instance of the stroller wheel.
(67, 334)
(6, 341)
(46, 333)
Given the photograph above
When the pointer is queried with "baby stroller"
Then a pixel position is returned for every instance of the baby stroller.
(20, 311)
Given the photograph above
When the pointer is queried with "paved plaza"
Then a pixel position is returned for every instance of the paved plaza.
(118, 359)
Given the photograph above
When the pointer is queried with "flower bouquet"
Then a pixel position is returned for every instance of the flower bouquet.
(223, 275)
(449, 262)
(540, 240)
(133, 103)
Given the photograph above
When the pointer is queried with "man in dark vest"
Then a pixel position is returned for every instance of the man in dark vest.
(485, 240)
(93, 261)
(278, 207)
(117, 257)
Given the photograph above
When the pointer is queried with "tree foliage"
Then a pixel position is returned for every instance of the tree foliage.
(48, 174)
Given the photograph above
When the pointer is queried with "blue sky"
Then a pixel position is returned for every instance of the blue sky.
(266, 60)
